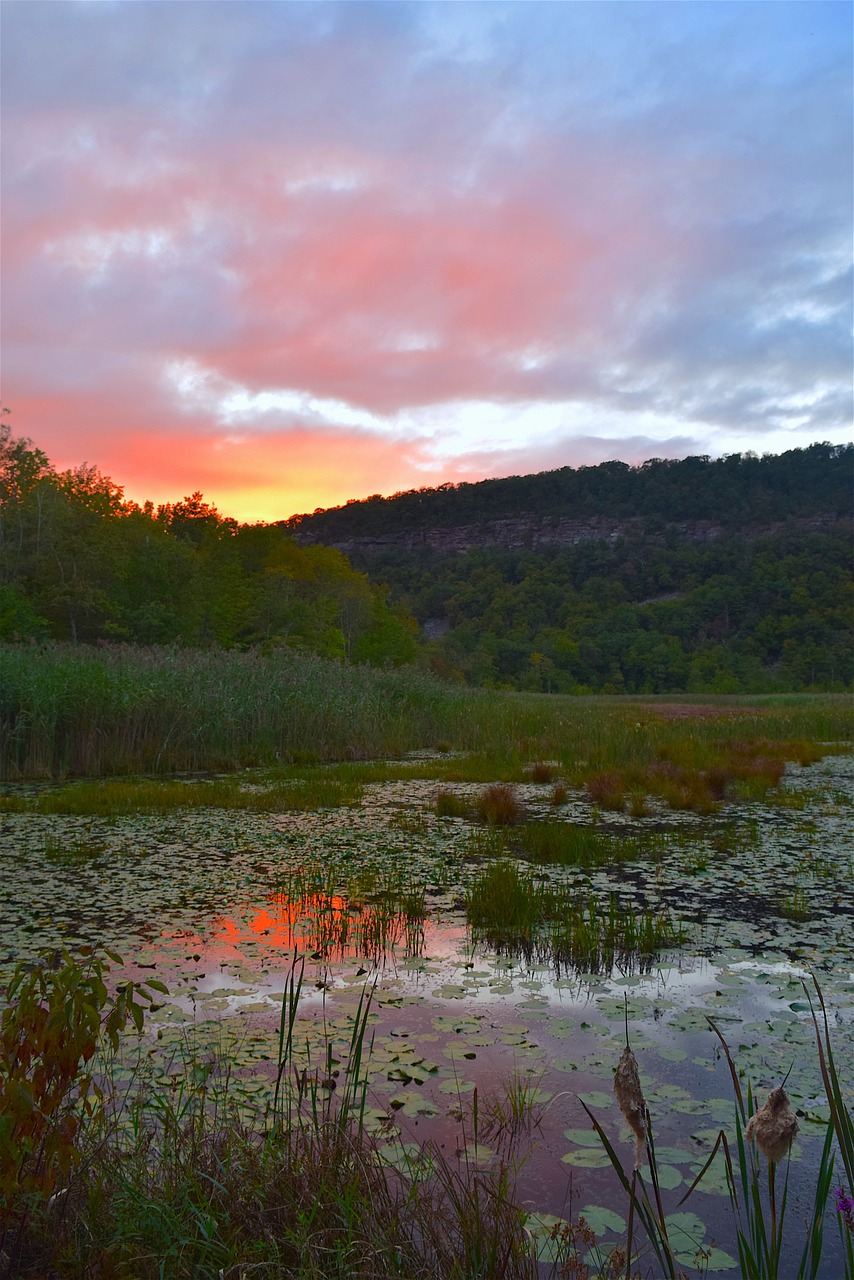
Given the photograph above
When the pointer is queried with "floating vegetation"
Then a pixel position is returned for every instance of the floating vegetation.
(152, 795)
(216, 899)
(515, 913)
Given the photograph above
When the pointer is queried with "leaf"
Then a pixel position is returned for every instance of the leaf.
(586, 1158)
(596, 1098)
(602, 1220)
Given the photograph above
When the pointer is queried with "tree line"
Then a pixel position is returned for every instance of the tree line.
(749, 611)
(80, 562)
(642, 616)
(738, 491)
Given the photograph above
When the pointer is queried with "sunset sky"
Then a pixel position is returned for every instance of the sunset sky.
(294, 253)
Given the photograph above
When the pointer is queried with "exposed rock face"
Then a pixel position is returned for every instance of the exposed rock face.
(522, 533)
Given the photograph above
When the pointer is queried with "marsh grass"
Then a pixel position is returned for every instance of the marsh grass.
(570, 844)
(516, 913)
(499, 805)
(174, 1176)
(120, 796)
(540, 771)
(74, 710)
(758, 1195)
(450, 805)
(370, 914)
(698, 776)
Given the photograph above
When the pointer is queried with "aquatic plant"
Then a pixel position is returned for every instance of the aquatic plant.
(450, 805)
(119, 796)
(574, 844)
(518, 914)
(499, 805)
(540, 771)
(759, 1213)
(176, 1174)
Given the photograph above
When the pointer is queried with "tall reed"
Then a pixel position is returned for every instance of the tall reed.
(77, 710)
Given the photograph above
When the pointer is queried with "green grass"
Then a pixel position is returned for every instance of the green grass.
(178, 1174)
(78, 711)
(569, 844)
(517, 913)
(156, 795)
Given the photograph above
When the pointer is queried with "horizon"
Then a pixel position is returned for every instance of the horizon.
(283, 254)
(356, 501)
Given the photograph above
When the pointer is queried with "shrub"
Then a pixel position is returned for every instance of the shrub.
(541, 771)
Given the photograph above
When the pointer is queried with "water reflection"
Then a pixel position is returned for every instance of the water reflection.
(327, 926)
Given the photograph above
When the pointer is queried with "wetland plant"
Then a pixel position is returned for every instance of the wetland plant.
(541, 771)
(450, 805)
(157, 795)
(758, 1208)
(571, 844)
(178, 1173)
(369, 915)
(498, 805)
(516, 913)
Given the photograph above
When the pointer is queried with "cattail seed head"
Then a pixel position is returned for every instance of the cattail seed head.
(774, 1126)
(627, 1087)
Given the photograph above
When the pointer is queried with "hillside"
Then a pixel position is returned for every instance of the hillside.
(728, 575)
(698, 576)
(696, 498)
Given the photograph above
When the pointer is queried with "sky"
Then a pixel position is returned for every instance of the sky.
(290, 254)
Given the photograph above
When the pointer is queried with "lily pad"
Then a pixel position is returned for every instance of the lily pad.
(596, 1098)
(587, 1158)
(602, 1220)
(583, 1137)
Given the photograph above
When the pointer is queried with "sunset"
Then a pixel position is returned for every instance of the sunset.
(292, 254)
(426, 659)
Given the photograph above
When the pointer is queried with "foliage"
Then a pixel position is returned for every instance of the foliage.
(643, 614)
(81, 710)
(756, 599)
(79, 562)
(176, 1178)
(59, 1012)
(740, 489)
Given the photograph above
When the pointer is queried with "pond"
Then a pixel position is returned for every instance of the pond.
(218, 903)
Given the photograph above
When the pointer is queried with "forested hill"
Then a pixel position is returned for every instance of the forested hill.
(698, 497)
(696, 576)
(699, 575)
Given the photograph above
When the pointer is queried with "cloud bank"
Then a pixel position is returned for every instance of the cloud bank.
(295, 253)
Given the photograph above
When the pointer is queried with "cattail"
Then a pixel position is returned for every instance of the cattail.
(773, 1128)
(627, 1087)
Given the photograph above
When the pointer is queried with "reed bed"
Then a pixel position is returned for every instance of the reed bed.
(85, 711)
(515, 912)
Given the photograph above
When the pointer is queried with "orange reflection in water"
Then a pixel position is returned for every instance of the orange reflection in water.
(323, 923)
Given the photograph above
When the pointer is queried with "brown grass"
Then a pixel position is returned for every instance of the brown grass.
(499, 805)
(541, 771)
